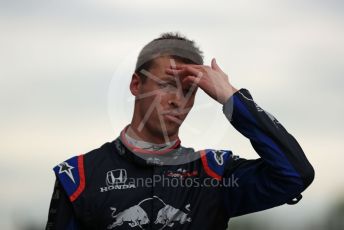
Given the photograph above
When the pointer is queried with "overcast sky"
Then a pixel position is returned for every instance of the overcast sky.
(65, 68)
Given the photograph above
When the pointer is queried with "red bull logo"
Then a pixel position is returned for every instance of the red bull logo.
(135, 216)
(168, 215)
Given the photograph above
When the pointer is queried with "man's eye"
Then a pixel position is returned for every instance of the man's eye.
(162, 86)
(167, 86)
(186, 91)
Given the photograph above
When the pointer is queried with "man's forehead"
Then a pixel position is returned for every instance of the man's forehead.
(159, 66)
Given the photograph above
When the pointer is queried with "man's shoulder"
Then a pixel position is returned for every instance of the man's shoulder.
(215, 161)
(100, 152)
(71, 172)
(93, 154)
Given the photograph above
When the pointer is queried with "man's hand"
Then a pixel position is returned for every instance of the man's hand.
(211, 79)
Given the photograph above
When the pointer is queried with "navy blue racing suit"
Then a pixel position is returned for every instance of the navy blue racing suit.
(118, 186)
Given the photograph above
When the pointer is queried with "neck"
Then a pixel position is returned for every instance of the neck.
(147, 136)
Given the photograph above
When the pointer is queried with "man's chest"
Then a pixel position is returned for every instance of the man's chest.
(120, 195)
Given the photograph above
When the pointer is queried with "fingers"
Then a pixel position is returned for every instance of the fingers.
(181, 66)
(184, 71)
(191, 80)
(193, 69)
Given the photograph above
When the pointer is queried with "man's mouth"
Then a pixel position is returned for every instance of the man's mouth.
(173, 116)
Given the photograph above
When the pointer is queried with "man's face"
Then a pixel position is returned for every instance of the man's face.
(163, 101)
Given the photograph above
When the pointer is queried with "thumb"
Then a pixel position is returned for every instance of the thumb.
(215, 66)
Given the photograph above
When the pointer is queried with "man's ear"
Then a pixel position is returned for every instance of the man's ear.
(135, 84)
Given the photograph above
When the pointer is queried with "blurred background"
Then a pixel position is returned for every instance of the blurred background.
(65, 67)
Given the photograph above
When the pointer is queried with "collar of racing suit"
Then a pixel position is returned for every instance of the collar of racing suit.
(148, 145)
(173, 154)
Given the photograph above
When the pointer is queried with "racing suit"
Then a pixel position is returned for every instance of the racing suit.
(101, 189)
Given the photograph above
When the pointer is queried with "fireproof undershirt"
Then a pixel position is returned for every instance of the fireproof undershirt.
(148, 145)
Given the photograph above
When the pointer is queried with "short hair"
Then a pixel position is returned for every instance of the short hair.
(170, 44)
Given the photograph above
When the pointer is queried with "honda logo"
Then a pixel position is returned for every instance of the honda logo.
(116, 179)
(117, 176)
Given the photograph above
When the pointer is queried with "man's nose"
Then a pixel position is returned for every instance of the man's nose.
(178, 98)
(179, 94)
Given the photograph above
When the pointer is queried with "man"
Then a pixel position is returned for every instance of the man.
(145, 179)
